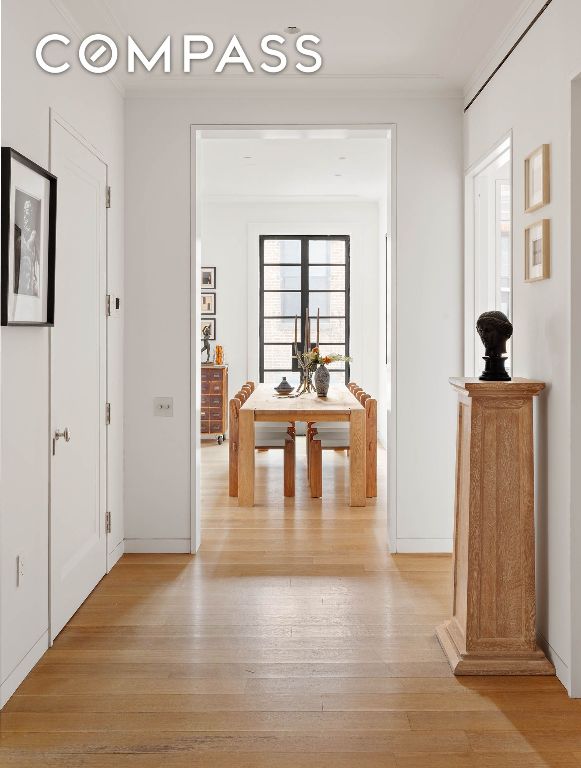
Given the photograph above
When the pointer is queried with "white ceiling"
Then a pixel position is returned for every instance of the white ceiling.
(368, 45)
(259, 165)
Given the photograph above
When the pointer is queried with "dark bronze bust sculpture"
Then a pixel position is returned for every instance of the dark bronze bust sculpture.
(495, 329)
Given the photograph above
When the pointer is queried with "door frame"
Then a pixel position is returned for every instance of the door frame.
(470, 245)
(56, 119)
(194, 313)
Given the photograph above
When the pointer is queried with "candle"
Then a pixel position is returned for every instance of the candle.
(296, 331)
(307, 332)
(318, 317)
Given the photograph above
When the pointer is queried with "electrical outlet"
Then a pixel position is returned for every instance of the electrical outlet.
(163, 406)
(19, 569)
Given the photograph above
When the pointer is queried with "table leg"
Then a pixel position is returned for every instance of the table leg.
(357, 458)
(246, 459)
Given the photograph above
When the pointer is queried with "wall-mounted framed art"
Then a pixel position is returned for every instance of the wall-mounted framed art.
(210, 323)
(28, 241)
(208, 304)
(538, 251)
(208, 280)
(538, 178)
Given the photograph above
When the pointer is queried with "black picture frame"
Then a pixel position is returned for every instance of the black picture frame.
(211, 286)
(10, 155)
(212, 322)
(211, 311)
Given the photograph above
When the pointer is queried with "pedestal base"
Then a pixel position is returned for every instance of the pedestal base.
(500, 663)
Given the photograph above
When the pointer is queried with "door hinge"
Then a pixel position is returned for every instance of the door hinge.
(108, 305)
(107, 197)
(107, 522)
(107, 413)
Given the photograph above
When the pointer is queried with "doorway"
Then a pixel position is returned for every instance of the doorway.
(78, 360)
(488, 264)
(268, 172)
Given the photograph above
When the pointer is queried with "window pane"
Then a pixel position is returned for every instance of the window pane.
(331, 331)
(327, 251)
(278, 356)
(275, 377)
(328, 349)
(276, 329)
(327, 278)
(276, 304)
(332, 304)
(337, 377)
(282, 251)
(282, 278)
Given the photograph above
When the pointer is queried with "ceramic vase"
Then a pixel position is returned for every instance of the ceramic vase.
(322, 381)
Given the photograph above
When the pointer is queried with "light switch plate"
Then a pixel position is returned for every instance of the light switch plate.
(163, 406)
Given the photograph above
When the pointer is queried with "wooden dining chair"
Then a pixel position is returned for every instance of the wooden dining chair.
(335, 437)
(268, 436)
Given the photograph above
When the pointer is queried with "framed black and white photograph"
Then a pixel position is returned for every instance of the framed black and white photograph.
(28, 241)
(208, 278)
(538, 251)
(210, 324)
(208, 305)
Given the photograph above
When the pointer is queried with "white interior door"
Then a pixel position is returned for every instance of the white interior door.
(78, 378)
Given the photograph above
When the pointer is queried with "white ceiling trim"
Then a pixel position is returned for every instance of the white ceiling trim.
(522, 18)
(65, 12)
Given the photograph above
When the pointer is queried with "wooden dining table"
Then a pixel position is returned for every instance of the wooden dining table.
(339, 405)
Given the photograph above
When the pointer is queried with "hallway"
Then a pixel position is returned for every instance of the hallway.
(292, 640)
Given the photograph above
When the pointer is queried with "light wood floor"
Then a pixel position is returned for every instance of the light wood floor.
(292, 640)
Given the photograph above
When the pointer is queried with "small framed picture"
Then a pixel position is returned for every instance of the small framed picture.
(28, 241)
(538, 251)
(537, 178)
(208, 306)
(209, 278)
(209, 329)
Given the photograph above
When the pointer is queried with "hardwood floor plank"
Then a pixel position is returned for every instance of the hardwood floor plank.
(292, 640)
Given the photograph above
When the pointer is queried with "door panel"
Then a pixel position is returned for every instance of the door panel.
(78, 378)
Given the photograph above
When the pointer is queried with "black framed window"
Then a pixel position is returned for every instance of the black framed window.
(296, 273)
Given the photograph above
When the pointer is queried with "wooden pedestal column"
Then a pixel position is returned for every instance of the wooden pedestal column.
(493, 627)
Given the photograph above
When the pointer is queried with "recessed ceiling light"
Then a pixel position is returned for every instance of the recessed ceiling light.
(342, 157)
(292, 30)
(338, 174)
(247, 157)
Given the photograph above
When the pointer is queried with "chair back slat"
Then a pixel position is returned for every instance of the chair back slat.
(233, 445)
(370, 447)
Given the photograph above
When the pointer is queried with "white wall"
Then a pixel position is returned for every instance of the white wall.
(230, 242)
(429, 160)
(531, 95)
(95, 108)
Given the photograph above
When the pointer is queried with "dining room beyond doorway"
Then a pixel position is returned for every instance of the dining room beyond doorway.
(293, 231)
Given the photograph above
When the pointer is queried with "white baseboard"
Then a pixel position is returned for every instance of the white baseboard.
(114, 556)
(18, 674)
(561, 668)
(158, 546)
(423, 546)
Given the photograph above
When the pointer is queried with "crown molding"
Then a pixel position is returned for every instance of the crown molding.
(62, 7)
(526, 12)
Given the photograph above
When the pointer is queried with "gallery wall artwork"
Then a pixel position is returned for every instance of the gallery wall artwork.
(208, 304)
(538, 251)
(537, 179)
(29, 197)
(208, 281)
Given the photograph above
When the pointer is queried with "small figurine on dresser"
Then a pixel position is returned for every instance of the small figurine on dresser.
(206, 331)
(219, 354)
(495, 329)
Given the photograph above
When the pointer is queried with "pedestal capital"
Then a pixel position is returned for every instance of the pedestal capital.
(518, 387)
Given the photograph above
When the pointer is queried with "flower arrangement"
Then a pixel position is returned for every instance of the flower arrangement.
(311, 357)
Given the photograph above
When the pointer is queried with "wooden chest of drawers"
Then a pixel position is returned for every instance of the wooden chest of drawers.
(214, 412)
